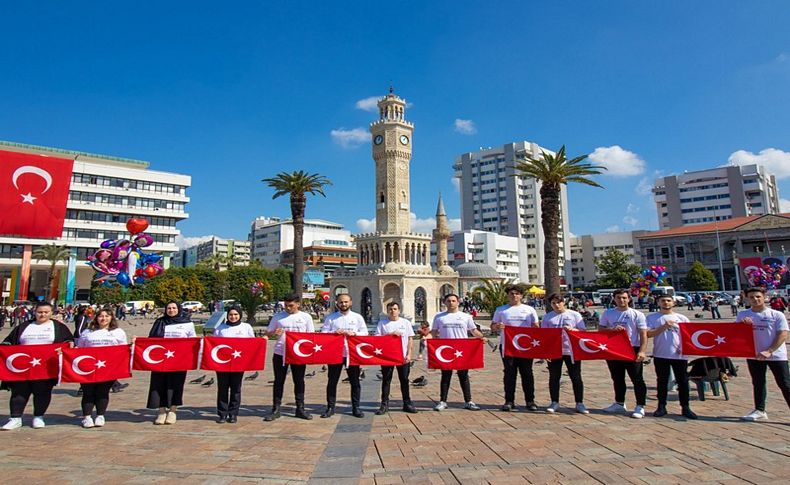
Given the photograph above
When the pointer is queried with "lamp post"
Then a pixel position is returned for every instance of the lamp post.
(736, 262)
(718, 249)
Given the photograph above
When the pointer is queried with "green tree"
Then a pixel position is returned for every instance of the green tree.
(491, 294)
(240, 287)
(618, 270)
(554, 171)
(297, 185)
(217, 262)
(54, 254)
(102, 295)
(700, 278)
(176, 287)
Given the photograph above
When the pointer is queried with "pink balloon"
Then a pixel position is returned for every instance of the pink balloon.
(143, 240)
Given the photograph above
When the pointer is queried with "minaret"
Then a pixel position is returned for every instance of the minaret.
(440, 236)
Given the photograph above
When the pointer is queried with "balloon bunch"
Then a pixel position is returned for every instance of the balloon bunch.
(647, 280)
(124, 260)
(768, 275)
(258, 287)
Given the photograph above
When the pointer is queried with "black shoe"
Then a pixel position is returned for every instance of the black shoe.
(220, 419)
(382, 410)
(302, 414)
(688, 413)
(328, 412)
(531, 406)
(508, 406)
(357, 413)
(409, 408)
(273, 415)
(232, 419)
(660, 411)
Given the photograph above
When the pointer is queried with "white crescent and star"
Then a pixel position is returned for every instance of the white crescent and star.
(215, 354)
(699, 333)
(9, 363)
(75, 365)
(298, 348)
(147, 354)
(29, 198)
(584, 347)
(535, 343)
(439, 357)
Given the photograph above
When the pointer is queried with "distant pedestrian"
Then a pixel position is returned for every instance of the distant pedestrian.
(714, 308)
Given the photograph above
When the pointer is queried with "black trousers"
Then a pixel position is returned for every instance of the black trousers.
(618, 370)
(166, 389)
(779, 369)
(41, 389)
(403, 377)
(229, 393)
(96, 395)
(680, 369)
(334, 377)
(280, 373)
(574, 372)
(511, 367)
(463, 378)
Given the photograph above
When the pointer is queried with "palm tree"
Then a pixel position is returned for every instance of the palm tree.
(54, 254)
(553, 171)
(298, 185)
(491, 294)
(217, 262)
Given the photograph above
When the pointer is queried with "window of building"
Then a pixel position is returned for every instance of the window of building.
(664, 252)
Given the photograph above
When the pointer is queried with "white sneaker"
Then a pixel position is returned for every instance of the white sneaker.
(38, 422)
(755, 415)
(616, 407)
(99, 421)
(639, 412)
(13, 423)
(581, 408)
(553, 407)
(441, 406)
(87, 422)
(471, 406)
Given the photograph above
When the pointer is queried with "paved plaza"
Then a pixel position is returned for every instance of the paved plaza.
(453, 446)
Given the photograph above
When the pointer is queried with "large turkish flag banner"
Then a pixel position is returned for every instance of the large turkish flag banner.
(313, 348)
(533, 343)
(166, 354)
(34, 190)
(229, 354)
(96, 364)
(717, 339)
(29, 362)
(455, 353)
(386, 350)
(602, 345)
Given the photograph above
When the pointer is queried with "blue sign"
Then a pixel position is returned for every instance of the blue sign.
(313, 276)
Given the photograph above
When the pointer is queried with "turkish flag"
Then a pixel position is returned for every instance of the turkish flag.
(601, 345)
(386, 350)
(533, 343)
(29, 362)
(166, 354)
(455, 353)
(96, 364)
(313, 348)
(34, 190)
(229, 354)
(717, 339)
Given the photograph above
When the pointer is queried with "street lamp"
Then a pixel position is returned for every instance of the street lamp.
(736, 262)
(718, 248)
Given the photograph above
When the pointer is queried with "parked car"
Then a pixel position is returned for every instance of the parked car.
(138, 305)
(192, 306)
(681, 298)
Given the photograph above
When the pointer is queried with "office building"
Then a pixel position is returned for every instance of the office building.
(270, 237)
(585, 249)
(506, 254)
(219, 249)
(325, 256)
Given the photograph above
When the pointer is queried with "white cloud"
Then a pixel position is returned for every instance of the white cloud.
(631, 221)
(632, 209)
(465, 127)
(456, 183)
(366, 225)
(614, 228)
(423, 226)
(619, 162)
(644, 187)
(350, 138)
(187, 242)
(784, 205)
(774, 160)
(368, 104)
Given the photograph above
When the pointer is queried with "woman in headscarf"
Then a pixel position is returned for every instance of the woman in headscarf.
(167, 388)
(229, 383)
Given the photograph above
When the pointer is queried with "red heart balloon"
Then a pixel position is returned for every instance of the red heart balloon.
(136, 225)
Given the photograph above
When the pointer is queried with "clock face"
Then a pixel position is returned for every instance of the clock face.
(404, 139)
(378, 139)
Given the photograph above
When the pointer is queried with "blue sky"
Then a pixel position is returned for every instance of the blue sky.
(237, 94)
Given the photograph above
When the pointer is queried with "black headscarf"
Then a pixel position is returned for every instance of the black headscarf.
(227, 312)
(158, 330)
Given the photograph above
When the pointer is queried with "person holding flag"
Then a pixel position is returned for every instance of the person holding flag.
(451, 324)
(624, 318)
(229, 383)
(292, 319)
(41, 331)
(770, 334)
(569, 321)
(663, 329)
(102, 331)
(515, 314)
(394, 324)
(343, 322)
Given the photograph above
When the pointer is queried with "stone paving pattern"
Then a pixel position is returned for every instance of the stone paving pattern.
(453, 446)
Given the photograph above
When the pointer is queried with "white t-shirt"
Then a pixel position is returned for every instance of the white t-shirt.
(242, 330)
(570, 318)
(765, 325)
(180, 330)
(666, 345)
(38, 334)
(350, 322)
(101, 338)
(631, 319)
(453, 325)
(297, 322)
(401, 325)
(514, 316)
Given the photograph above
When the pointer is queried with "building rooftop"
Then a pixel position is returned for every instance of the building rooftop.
(72, 154)
(476, 270)
(711, 227)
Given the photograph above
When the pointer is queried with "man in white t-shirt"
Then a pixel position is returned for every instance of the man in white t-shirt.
(569, 321)
(454, 323)
(394, 324)
(770, 334)
(624, 318)
(664, 330)
(515, 314)
(344, 322)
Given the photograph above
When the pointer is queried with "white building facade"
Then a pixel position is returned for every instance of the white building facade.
(506, 254)
(585, 250)
(270, 236)
(239, 250)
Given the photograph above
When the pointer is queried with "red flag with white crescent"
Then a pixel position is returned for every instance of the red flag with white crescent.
(717, 339)
(533, 343)
(166, 354)
(313, 348)
(602, 345)
(386, 350)
(455, 353)
(29, 362)
(96, 364)
(230, 354)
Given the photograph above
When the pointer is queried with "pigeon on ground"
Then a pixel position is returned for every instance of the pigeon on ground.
(198, 380)
(362, 375)
(252, 376)
(310, 374)
(323, 368)
(411, 363)
(420, 381)
(208, 383)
